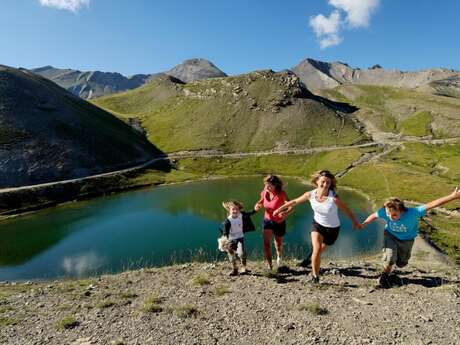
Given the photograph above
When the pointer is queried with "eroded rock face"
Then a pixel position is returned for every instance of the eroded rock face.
(326, 75)
(48, 134)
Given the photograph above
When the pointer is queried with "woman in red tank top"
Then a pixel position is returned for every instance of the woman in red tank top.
(271, 198)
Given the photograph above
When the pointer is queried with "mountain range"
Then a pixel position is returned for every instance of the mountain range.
(95, 83)
(316, 75)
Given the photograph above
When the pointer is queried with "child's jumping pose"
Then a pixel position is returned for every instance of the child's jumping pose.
(237, 223)
(401, 229)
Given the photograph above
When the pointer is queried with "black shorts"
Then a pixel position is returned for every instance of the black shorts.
(329, 234)
(279, 229)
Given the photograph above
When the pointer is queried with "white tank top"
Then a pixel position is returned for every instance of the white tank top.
(236, 229)
(326, 212)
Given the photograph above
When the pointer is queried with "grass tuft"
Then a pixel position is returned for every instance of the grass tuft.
(128, 295)
(313, 308)
(201, 280)
(105, 304)
(152, 305)
(186, 311)
(221, 290)
(67, 322)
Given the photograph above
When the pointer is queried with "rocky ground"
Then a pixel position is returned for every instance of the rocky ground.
(200, 303)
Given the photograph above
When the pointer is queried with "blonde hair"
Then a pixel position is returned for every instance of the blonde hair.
(315, 177)
(395, 204)
(233, 203)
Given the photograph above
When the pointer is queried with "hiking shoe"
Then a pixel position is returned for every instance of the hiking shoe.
(384, 281)
(233, 273)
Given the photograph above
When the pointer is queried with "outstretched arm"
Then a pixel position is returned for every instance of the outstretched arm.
(444, 200)
(344, 208)
(289, 206)
(369, 219)
(259, 205)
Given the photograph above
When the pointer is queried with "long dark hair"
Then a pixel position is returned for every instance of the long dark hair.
(275, 181)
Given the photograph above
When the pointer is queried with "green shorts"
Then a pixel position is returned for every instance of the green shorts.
(396, 251)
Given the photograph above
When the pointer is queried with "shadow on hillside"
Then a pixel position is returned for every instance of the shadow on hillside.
(339, 106)
(406, 279)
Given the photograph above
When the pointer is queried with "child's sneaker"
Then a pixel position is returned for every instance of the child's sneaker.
(279, 262)
(234, 272)
(243, 270)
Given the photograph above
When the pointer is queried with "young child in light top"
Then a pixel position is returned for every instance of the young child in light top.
(326, 224)
(400, 231)
(237, 223)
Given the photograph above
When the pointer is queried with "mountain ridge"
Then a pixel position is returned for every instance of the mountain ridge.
(91, 84)
(317, 75)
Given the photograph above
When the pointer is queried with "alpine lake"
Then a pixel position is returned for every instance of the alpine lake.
(160, 226)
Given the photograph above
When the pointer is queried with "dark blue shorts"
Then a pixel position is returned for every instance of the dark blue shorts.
(279, 229)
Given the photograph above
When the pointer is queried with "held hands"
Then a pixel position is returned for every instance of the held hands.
(358, 226)
(257, 207)
(279, 212)
(456, 193)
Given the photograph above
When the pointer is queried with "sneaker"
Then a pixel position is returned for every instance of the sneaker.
(314, 280)
(243, 270)
(384, 280)
(234, 272)
(279, 261)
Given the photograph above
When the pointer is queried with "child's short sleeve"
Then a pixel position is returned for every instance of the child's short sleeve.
(381, 213)
(421, 210)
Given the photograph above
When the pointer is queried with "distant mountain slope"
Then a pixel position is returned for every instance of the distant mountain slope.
(91, 84)
(401, 111)
(318, 75)
(48, 134)
(95, 84)
(258, 111)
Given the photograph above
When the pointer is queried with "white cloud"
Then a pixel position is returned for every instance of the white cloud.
(358, 11)
(70, 5)
(357, 14)
(327, 29)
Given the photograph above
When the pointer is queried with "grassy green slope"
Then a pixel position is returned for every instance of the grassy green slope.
(253, 112)
(402, 111)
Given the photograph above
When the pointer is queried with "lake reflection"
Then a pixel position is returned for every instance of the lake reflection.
(158, 226)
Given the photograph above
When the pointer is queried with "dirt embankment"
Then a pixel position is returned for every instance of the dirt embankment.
(200, 304)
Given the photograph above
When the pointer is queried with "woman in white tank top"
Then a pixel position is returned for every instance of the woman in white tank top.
(326, 224)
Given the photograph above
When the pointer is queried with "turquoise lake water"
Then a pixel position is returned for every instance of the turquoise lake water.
(158, 226)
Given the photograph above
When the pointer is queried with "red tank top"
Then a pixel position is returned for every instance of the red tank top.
(271, 205)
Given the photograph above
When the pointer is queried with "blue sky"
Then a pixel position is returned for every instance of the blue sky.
(148, 36)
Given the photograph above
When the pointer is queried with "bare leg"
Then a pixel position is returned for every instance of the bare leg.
(279, 245)
(387, 268)
(318, 248)
(268, 234)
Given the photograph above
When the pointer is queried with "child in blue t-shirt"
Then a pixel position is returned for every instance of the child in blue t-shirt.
(400, 231)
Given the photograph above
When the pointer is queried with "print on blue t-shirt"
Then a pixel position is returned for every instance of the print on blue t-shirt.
(406, 227)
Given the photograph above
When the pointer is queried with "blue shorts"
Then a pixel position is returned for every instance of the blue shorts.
(279, 229)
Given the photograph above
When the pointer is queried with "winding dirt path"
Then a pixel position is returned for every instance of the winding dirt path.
(388, 145)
